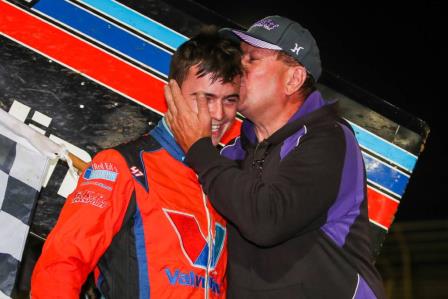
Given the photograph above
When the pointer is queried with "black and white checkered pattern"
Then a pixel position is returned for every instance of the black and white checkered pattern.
(22, 170)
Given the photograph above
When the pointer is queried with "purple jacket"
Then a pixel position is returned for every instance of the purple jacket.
(297, 208)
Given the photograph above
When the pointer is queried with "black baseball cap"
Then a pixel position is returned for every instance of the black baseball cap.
(282, 34)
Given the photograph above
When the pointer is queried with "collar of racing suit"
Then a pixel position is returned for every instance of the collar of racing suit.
(164, 136)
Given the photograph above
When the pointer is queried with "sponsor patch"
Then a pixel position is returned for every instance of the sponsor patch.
(90, 198)
(104, 166)
(105, 171)
(135, 171)
(101, 185)
(194, 245)
(191, 279)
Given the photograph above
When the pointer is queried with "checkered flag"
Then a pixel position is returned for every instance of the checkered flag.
(22, 171)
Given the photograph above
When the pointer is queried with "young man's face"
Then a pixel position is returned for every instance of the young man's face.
(222, 99)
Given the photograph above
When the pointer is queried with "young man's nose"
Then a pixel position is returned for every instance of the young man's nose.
(216, 110)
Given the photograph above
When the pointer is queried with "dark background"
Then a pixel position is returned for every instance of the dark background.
(393, 51)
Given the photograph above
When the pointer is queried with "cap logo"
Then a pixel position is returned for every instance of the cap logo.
(267, 24)
(297, 49)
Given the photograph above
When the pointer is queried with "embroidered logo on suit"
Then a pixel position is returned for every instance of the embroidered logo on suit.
(192, 240)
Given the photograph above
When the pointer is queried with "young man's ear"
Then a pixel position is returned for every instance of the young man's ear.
(296, 76)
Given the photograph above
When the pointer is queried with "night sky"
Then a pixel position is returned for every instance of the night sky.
(393, 52)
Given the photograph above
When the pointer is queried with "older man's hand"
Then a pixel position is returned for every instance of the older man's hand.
(186, 125)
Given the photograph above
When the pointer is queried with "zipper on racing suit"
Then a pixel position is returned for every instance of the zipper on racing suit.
(210, 246)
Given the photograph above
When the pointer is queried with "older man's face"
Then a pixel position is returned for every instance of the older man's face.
(262, 82)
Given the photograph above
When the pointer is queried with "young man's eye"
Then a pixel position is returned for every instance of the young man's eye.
(231, 101)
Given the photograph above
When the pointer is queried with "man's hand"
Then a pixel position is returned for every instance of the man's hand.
(186, 125)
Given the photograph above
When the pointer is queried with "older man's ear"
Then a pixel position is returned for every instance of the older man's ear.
(295, 77)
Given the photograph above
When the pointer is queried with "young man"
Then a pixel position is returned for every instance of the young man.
(293, 185)
(138, 215)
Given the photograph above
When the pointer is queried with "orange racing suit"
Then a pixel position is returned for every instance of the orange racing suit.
(139, 218)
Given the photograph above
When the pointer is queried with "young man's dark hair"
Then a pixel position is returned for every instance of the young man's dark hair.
(211, 52)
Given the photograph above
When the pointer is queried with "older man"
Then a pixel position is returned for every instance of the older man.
(292, 186)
